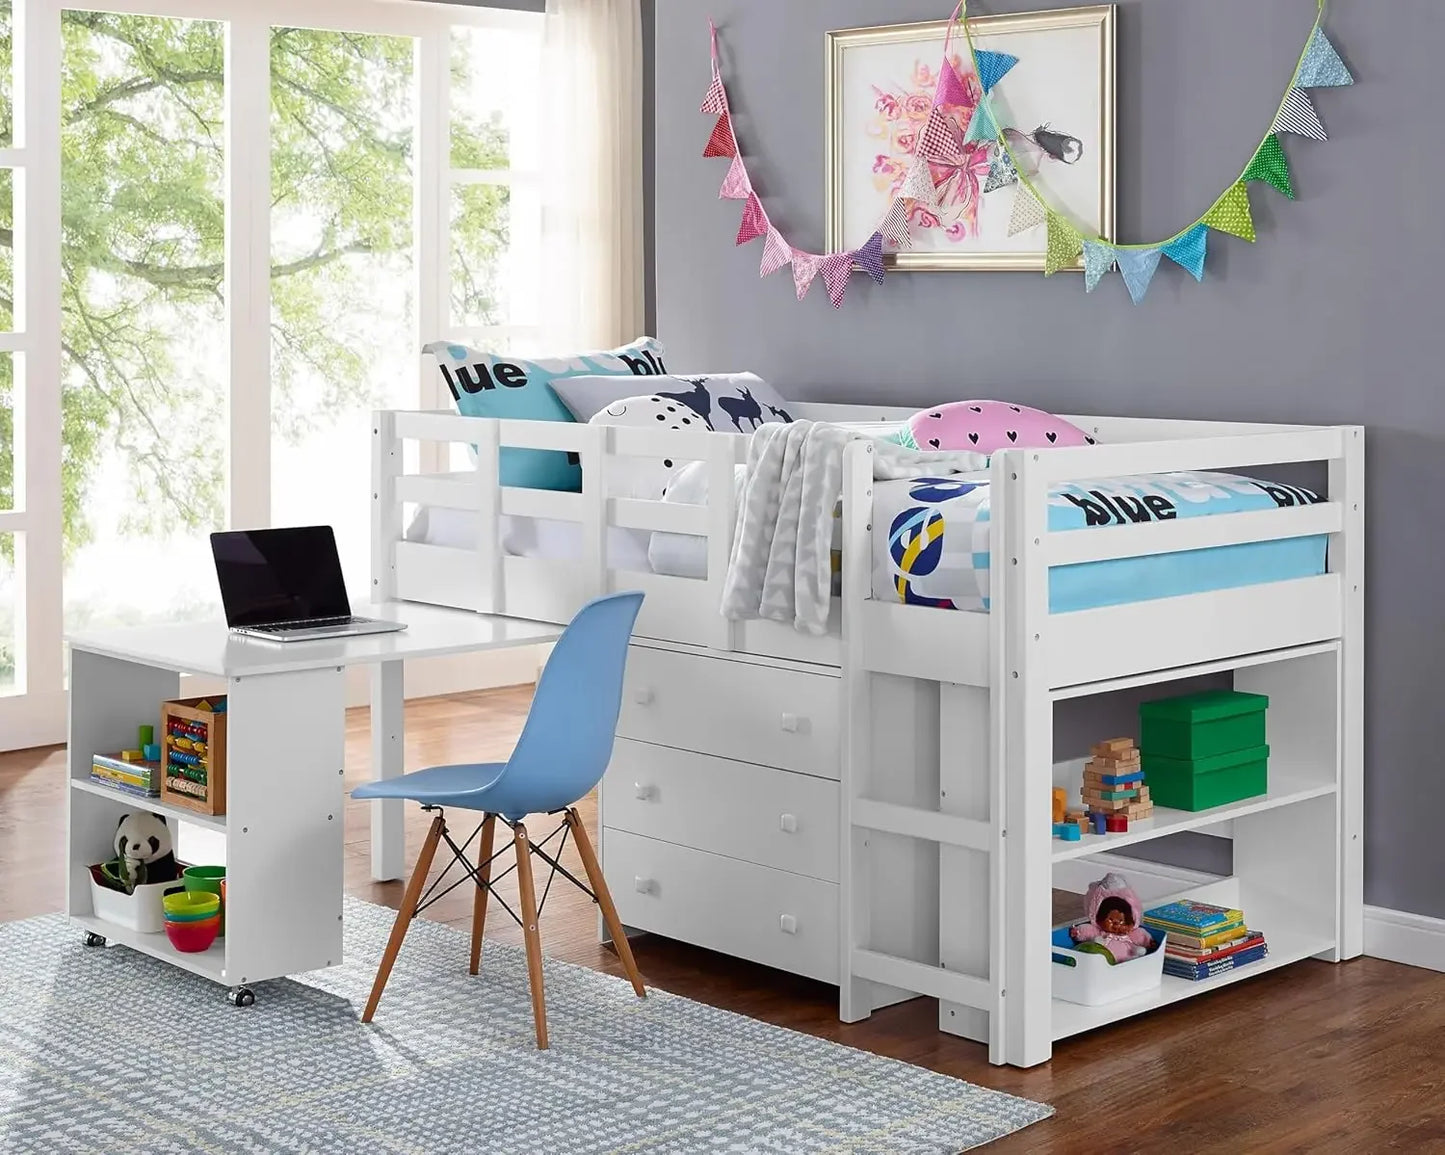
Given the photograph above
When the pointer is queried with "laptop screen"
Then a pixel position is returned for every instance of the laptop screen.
(269, 576)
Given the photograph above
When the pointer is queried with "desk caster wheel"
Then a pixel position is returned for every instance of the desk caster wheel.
(93, 939)
(241, 997)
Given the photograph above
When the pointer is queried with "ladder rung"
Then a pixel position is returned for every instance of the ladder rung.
(927, 824)
(926, 980)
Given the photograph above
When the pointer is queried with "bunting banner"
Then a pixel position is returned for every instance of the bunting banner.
(939, 153)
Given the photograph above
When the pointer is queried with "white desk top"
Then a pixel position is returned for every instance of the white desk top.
(210, 648)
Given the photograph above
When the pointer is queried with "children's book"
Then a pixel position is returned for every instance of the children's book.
(1196, 972)
(1246, 942)
(1184, 941)
(1193, 917)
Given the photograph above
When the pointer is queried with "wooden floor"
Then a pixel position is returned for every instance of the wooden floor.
(1312, 1057)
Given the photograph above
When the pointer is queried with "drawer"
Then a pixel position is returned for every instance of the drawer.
(770, 817)
(768, 916)
(741, 710)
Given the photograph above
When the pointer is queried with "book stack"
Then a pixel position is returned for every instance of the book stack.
(1204, 940)
(137, 777)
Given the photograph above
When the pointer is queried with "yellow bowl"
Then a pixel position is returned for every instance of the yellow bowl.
(191, 903)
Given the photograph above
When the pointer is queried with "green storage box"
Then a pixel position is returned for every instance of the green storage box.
(1202, 783)
(1202, 725)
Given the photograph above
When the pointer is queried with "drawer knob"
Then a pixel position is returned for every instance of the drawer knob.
(642, 696)
(790, 723)
(644, 791)
(788, 924)
(644, 885)
(788, 823)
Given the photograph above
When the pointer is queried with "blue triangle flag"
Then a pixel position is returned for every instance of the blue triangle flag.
(1137, 266)
(1098, 260)
(981, 126)
(1188, 251)
(993, 67)
(1322, 66)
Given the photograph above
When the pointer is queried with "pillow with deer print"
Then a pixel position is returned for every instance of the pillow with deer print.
(724, 402)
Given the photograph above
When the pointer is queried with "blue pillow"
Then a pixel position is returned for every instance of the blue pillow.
(500, 385)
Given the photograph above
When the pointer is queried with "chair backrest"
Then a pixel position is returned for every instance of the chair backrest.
(567, 741)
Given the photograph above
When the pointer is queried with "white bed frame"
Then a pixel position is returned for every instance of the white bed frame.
(947, 862)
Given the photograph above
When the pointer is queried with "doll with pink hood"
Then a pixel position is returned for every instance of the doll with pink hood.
(1114, 912)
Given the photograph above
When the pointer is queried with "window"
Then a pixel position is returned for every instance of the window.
(184, 346)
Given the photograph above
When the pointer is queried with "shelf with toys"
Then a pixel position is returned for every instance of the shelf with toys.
(1294, 933)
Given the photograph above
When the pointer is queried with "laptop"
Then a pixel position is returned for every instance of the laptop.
(285, 585)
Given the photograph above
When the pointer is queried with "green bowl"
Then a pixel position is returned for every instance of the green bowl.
(186, 905)
(204, 878)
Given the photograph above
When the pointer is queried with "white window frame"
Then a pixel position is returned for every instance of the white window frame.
(35, 713)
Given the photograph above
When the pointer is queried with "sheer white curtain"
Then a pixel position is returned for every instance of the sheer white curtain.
(592, 174)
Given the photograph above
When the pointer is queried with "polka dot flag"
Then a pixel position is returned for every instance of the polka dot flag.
(1231, 214)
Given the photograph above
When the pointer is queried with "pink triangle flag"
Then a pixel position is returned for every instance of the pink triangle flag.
(835, 270)
(716, 101)
(754, 222)
(776, 253)
(721, 142)
(895, 225)
(805, 268)
(735, 186)
(951, 89)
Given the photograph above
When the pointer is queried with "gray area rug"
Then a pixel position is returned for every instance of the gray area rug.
(111, 1051)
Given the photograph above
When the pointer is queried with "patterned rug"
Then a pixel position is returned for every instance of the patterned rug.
(111, 1051)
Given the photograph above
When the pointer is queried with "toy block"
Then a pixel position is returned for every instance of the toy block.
(147, 735)
(1060, 827)
(1118, 795)
(151, 751)
(1096, 803)
(1132, 778)
(1071, 833)
(1113, 746)
(1061, 798)
(1100, 821)
(1117, 824)
(132, 756)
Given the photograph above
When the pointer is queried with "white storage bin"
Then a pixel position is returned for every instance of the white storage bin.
(140, 911)
(1088, 978)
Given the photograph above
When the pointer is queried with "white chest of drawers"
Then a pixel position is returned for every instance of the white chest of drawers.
(719, 811)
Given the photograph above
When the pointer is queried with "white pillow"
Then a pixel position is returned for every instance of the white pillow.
(730, 402)
(644, 477)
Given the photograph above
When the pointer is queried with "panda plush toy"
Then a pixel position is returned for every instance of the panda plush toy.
(143, 847)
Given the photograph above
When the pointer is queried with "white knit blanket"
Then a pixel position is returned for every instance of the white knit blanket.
(781, 567)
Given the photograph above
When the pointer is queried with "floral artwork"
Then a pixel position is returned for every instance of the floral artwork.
(901, 111)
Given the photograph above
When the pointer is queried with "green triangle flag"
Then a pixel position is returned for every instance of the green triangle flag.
(1269, 165)
(1064, 245)
(1231, 214)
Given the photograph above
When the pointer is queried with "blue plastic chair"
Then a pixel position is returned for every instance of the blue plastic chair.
(564, 748)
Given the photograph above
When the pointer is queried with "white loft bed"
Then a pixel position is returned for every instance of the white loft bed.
(926, 736)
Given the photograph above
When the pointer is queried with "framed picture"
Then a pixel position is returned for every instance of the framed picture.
(1056, 107)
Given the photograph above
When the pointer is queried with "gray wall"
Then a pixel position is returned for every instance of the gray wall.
(1333, 316)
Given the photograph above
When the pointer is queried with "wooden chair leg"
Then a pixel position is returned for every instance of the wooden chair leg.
(479, 900)
(530, 932)
(604, 900)
(405, 914)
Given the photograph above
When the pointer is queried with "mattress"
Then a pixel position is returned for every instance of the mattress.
(931, 540)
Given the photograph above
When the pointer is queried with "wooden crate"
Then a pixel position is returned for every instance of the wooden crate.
(204, 797)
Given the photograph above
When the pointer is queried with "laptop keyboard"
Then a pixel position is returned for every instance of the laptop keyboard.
(317, 624)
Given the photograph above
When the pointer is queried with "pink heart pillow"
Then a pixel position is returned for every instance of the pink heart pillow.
(987, 426)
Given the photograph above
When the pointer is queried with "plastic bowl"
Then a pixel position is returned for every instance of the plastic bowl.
(194, 937)
(198, 916)
(191, 904)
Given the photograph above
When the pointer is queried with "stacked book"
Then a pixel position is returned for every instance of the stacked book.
(1203, 940)
(140, 778)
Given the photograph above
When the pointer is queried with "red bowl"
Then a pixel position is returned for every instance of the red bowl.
(194, 937)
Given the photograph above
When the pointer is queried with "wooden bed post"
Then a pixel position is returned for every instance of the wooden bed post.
(1019, 569)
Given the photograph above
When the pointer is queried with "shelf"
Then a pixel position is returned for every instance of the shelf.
(210, 964)
(1175, 673)
(216, 822)
(1285, 790)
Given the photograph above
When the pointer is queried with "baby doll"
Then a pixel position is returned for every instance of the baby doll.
(1114, 912)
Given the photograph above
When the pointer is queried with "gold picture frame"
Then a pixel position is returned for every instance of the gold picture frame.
(859, 122)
